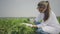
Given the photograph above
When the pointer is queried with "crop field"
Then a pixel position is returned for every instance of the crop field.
(12, 25)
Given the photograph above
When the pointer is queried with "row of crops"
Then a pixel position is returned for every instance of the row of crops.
(13, 25)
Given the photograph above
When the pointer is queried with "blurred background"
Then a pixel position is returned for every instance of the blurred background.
(25, 8)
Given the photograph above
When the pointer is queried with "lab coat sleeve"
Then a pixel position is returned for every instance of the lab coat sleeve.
(46, 28)
(41, 25)
(39, 17)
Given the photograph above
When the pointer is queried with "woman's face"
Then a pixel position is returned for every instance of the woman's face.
(42, 8)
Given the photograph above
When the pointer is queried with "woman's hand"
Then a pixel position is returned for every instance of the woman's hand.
(34, 26)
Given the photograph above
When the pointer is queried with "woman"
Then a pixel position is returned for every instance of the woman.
(49, 23)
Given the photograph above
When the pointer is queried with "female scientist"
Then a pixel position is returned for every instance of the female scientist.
(46, 22)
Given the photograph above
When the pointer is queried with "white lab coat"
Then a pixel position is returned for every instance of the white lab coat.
(51, 25)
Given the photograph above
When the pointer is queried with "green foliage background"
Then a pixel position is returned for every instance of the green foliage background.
(12, 25)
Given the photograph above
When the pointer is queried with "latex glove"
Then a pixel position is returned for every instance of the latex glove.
(30, 25)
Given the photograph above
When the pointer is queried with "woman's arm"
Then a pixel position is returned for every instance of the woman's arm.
(39, 25)
(39, 17)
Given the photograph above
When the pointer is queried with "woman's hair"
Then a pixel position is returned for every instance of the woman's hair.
(46, 12)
